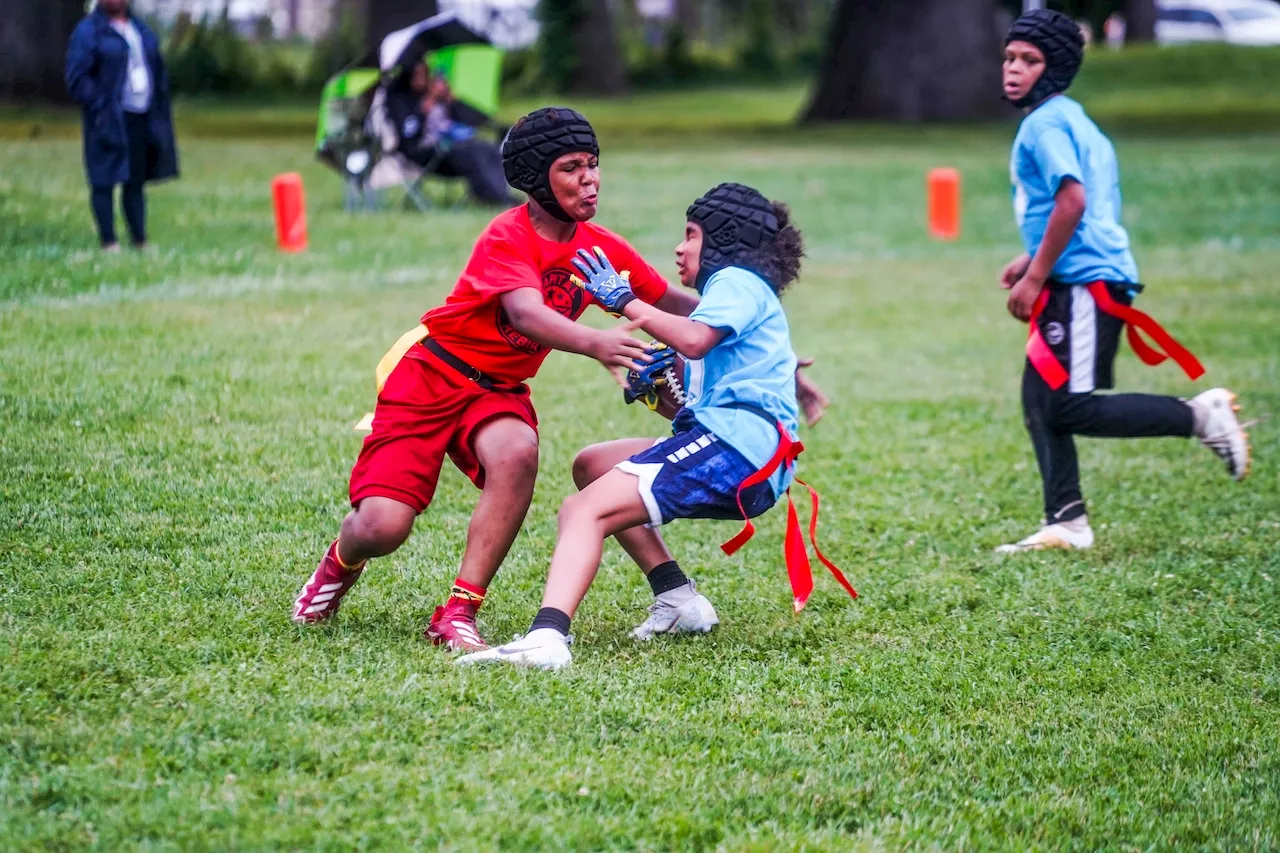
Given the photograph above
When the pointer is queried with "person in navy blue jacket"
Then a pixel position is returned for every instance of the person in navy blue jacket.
(117, 76)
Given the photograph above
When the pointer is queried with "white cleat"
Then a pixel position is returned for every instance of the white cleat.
(695, 616)
(545, 648)
(1053, 536)
(1222, 431)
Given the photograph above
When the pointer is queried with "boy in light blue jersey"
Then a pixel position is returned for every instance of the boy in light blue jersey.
(734, 444)
(1058, 142)
(1075, 285)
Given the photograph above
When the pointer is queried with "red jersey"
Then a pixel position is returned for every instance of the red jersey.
(510, 255)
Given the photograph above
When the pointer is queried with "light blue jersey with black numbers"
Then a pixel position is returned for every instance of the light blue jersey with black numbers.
(1056, 141)
(753, 365)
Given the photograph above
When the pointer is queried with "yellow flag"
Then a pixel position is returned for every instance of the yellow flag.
(388, 363)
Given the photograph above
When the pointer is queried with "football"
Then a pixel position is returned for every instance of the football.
(671, 393)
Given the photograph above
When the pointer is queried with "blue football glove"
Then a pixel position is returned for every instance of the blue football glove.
(643, 384)
(610, 288)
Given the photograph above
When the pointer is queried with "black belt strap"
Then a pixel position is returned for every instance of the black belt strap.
(473, 373)
(1131, 286)
(755, 410)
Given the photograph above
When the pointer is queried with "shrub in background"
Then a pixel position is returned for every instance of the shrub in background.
(192, 63)
(211, 57)
(759, 54)
(341, 46)
(520, 73)
(557, 51)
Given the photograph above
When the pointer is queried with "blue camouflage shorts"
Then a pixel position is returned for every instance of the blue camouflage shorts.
(694, 474)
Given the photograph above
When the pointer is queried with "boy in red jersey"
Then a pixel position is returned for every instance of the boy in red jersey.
(460, 390)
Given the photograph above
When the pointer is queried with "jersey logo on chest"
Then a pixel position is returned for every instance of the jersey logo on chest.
(560, 295)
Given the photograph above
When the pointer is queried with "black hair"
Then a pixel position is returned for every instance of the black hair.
(778, 263)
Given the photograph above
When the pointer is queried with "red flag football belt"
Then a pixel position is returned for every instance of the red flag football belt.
(1055, 375)
(793, 549)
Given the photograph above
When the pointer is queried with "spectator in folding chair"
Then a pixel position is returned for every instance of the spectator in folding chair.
(431, 133)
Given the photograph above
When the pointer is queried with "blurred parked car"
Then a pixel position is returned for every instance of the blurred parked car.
(1249, 22)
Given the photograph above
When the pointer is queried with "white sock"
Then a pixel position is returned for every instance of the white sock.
(678, 596)
(1200, 414)
(1076, 525)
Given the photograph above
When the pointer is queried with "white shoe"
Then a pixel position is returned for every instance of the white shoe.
(1053, 536)
(545, 648)
(1222, 431)
(695, 616)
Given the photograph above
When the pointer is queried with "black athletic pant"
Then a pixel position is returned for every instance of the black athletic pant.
(481, 164)
(1085, 340)
(133, 200)
(477, 161)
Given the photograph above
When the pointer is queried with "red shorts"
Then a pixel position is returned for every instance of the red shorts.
(427, 409)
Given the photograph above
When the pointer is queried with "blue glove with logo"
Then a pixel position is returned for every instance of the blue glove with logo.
(610, 287)
(643, 384)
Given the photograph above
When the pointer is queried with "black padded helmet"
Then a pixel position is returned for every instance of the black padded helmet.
(535, 142)
(735, 220)
(1061, 42)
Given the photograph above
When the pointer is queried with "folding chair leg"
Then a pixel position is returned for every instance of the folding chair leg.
(414, 193)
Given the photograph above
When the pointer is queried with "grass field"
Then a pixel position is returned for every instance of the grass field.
(175, 438)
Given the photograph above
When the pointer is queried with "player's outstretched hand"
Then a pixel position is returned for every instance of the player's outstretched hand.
(810, 397)
(610, 288)
(619, 352)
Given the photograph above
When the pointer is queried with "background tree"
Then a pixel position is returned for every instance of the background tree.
(1139, 15)
(382, 17)
(578, 48)
(33, 48)
(929, 60)
(1140, 20)
(602, 66)
(689, 18)
(760, 51)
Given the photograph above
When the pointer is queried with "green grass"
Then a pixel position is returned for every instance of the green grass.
(175, 438)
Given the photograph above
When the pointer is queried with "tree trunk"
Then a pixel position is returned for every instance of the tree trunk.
(600, 69)
(382, 17)
(928, 60)
(688, 18)
(1139, 21)
(794, 18)
(33, 48)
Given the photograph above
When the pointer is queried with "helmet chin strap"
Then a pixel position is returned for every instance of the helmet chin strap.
(546, 199)
(1042, 91)
(704, 275)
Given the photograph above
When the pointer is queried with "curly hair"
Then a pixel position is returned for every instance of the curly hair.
(779, 262)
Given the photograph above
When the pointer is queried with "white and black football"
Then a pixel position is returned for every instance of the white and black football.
(671, 393)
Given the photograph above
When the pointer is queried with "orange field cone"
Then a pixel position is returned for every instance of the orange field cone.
(944, 204)
(291, 212)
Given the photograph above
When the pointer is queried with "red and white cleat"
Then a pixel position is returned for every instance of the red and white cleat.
(454, 626)
(323, 591)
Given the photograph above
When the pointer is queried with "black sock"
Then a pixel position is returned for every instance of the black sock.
(666, 577)
(550, 617)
